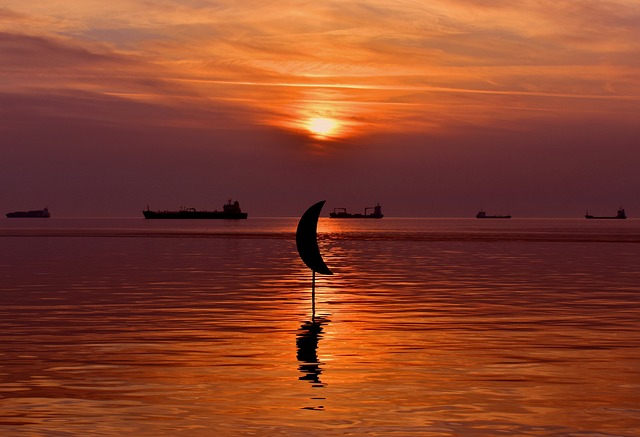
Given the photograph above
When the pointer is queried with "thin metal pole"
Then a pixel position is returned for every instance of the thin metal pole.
(313, 297)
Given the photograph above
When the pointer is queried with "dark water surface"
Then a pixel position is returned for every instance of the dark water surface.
(429, 327)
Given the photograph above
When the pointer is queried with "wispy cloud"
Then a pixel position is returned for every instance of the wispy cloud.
(559, 56)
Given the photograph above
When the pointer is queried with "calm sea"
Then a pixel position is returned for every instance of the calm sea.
(429, 327)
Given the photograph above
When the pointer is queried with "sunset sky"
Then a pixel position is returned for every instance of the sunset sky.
(435, 108)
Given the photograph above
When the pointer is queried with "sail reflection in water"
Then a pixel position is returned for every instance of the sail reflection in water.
(307, 340)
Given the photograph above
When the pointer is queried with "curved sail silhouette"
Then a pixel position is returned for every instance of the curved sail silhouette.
(307, 242)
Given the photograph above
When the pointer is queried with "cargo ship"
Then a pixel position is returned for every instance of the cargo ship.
(481, 214)
(230, 211)
(621, 215)
(342, 213)
(38, 213)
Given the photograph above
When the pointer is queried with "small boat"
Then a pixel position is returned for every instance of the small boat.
(38, 213)
(621, 215)
(230, 211)
(342, 213)
(482, 214)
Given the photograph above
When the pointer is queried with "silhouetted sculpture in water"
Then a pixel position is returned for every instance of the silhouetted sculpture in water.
(310, 332)
(307, 342)
(307, 245)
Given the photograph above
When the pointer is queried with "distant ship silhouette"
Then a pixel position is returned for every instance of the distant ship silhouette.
(230, 211)
(38, 213)
(621, 215)
(481, 214)
(342, 213)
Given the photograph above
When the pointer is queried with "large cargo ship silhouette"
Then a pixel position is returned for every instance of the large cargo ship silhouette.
(621, 215)
(342, 213)
(37, 213)
(230, 211)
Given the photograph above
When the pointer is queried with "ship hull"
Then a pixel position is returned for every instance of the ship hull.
(620, 216)
(28, 214)
(590, 217)
(354, 216)
(341, 213)
(198, 215)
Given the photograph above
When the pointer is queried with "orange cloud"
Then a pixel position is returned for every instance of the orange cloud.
(374, 66)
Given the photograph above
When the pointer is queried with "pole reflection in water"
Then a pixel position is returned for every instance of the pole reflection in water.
(307, 339)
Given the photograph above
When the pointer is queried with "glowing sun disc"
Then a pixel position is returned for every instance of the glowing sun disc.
(322, 126)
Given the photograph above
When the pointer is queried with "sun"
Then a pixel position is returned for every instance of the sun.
(322, 127)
